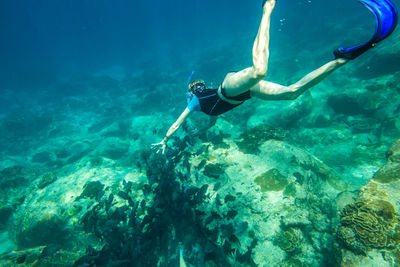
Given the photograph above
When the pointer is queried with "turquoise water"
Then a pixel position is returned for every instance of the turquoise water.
(87, 87)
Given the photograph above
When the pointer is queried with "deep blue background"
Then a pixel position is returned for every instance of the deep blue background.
(43, 40)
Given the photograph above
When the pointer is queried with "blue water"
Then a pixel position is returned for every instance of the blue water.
(70, 69)
(46, 40)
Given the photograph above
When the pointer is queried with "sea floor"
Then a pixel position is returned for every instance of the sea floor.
(264, 186)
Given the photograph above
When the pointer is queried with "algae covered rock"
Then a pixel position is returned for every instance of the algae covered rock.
(37, 229)
(271, 180)
(214, 170)
(388, 173)
(355, 104)
(114, 148)
(39, 256)
(92, 190)
(254, 137)
(393, 153)
(46, 179)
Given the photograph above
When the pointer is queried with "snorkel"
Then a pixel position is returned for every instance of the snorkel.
(189, 79)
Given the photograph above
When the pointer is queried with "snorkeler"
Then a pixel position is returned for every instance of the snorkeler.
(238, 87)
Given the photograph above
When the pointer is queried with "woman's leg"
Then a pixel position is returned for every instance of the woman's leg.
(240, 82)
(272, 91)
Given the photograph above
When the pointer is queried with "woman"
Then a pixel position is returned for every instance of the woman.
(239, 86)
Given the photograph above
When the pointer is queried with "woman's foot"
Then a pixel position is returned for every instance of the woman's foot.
(269, 4)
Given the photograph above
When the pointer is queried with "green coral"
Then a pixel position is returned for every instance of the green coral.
(74, 210)
(39, 256)
(290, 190)
(253, 138)
(92, 190)
(291, 262)
(271, 180)
(214, 170)
(46, 179)
(287, 240)
(369, 225)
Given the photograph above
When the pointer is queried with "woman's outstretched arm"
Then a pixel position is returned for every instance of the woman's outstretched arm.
(175, 126)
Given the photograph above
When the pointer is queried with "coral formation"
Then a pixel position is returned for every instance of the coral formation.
(114, 148)
(40, 230)
(369, 225)
(288, 240)
(253, 138)
(214, 170)
(271, 180)
(39, 256)
(355, 104)
(46, 179)
(92, 190)
(290, 190)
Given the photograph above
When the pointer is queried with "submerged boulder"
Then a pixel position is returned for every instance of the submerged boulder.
(271, 180)
(390, 172)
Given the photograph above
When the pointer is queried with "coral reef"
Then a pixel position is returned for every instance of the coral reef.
(40, 256)
(254, 137)
(92, 190)
(271, 180)
(369, 225)
(39, 229)
(46, 179)
(288, 240)
(355, 104)
(214, 170)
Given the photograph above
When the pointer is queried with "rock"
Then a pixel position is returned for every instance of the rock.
(92, 190)
(13, 177)
(271, 180)
(297, 110)
(214, 170)
(44, 157)
(5, 213)
(355, 104)
(388, 173)
(46, 179)
(114, 148)
(251, 140)
(393, 153)
(36, 229)
(39, 256)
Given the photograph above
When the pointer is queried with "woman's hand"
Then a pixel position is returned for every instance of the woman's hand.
(161, 146)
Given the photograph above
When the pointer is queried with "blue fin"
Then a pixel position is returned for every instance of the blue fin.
(386, 19)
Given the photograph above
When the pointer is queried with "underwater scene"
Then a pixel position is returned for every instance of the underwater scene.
(285, 152)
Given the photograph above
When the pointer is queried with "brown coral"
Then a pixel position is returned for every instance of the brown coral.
(287, 240)
(271, 180)
(369, 225)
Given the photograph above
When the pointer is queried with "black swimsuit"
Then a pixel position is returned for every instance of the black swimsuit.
(212, 104)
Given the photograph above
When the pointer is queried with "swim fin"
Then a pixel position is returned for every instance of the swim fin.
(386, 18)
